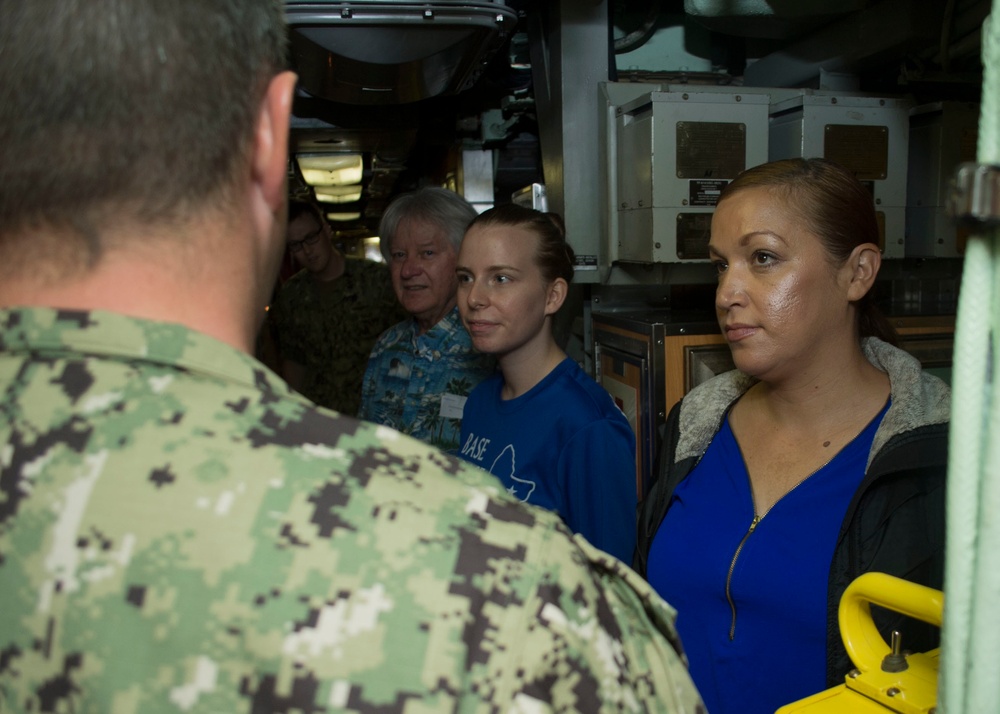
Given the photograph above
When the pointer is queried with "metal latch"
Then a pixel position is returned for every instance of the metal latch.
(974, 195)
(885, 678)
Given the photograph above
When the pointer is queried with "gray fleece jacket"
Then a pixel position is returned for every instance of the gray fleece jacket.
(895, 521)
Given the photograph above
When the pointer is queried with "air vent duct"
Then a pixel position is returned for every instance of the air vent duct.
(392, 52)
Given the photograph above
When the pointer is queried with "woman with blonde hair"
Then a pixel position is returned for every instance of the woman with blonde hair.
(544, 427)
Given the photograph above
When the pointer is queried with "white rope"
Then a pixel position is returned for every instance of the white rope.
(970, 675)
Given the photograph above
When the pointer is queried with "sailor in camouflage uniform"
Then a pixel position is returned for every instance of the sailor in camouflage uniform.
(327, 317)
(179, 531)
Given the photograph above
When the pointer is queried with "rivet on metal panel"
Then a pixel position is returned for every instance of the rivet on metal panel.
(892, 691)
(656, 245)
(684, 97)
(428, 14)
(684, 202)
(346, 12)
(640, 204)
(878, 201)
(659, 343)
(833, 100)
(854, 674)
(682, 330)
(739, 98)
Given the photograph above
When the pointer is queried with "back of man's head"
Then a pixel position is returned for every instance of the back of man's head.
(126, 109)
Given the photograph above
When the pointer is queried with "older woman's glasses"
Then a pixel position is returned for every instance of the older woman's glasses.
(312, 239)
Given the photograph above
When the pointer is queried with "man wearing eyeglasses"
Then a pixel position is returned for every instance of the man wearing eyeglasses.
(327, 316)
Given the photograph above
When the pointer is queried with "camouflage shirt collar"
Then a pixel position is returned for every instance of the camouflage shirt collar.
(109, 334)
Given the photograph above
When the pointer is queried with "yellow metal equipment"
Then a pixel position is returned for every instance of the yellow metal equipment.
(885, 679)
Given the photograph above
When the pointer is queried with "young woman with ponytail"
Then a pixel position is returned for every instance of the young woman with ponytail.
(544, 427)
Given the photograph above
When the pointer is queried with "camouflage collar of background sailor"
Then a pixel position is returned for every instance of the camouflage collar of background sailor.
(110, 334)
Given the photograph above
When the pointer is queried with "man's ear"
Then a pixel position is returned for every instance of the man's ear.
(864, 264)
(555, 296)
(270, 147)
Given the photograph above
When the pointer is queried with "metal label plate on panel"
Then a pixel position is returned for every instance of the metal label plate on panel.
(705, 192)
(710, 149)
(693, 232)
(864, 150)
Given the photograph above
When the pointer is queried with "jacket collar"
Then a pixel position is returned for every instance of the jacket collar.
(918, 399)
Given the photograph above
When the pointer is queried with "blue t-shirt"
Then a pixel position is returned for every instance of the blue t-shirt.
(767, 647)
(564, 445)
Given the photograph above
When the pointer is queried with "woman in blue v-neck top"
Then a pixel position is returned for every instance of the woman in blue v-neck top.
(821, 458)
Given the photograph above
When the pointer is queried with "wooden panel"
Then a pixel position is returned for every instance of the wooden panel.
(924, 324)
(675, 362)
(932, 337)
(615, 330)
(623, 381)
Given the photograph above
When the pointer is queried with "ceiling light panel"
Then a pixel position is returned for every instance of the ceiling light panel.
(344, 216)
(338, 194)
(331, 169)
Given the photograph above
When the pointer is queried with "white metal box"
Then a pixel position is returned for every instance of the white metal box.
(867, 135)
(942, 136)
(676, 151)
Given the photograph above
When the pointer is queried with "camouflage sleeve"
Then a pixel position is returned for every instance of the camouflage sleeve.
(529, 619)
(171, 541)
(289, 325)
(384, 296)
(593, 638)
(368, 381)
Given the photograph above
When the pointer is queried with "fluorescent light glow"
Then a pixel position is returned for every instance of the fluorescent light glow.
(344, 216)
(338, 194)
(331, 169)
(373, 250)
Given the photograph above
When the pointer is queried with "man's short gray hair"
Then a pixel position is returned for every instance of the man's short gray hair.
(433, 204)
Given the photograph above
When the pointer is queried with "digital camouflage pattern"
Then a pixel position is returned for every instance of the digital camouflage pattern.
(414, 382)
(330, 328)
(181, 533)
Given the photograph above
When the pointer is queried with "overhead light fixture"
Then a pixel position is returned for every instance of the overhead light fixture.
(392, 52)
(338, 194)
(331, 169)
(344, 216)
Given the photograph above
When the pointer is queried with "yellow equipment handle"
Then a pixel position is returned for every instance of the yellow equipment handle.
(862, 639)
